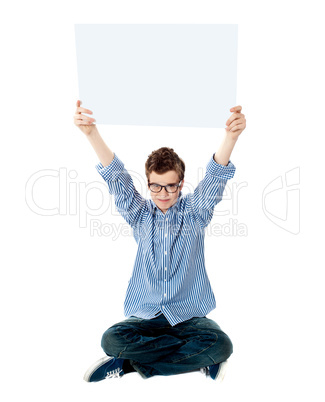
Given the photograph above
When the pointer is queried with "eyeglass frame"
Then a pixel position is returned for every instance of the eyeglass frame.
(161, 187)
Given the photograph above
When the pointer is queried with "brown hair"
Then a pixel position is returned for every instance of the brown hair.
(163, 160)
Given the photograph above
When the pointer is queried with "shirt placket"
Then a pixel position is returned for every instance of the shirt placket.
(165, 261)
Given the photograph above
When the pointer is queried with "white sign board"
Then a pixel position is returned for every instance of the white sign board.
(181, 75)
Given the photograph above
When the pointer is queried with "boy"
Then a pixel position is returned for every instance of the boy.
(169, 293)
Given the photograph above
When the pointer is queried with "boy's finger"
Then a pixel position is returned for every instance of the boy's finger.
(236, 108)
(232, 118)
(83, 110)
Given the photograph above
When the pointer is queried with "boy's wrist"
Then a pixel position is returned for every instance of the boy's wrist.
(231, 137)
(93, 131)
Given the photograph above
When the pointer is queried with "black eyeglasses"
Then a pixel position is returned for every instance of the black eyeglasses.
(170, 188)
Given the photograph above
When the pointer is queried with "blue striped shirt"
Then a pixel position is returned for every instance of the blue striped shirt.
(169, 274)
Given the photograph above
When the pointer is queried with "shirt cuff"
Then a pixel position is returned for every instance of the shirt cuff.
(221, 171)
(112, 171)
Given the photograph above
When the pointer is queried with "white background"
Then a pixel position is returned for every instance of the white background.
(61, 287)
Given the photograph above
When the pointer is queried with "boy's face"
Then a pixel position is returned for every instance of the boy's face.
(163, 199)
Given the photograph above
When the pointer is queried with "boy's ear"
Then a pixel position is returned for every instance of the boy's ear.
(181, 186)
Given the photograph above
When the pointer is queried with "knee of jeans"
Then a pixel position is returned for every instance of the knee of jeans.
(111, 341)
(225, 344)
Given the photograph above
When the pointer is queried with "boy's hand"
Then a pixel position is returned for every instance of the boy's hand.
(82, 121)
(236, 122)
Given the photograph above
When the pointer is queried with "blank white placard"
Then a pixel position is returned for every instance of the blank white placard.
(182, 75)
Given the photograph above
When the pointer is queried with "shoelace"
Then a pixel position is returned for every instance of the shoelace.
(114, 373)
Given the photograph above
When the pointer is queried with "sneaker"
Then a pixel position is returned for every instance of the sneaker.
(216, 371)
(106, 367)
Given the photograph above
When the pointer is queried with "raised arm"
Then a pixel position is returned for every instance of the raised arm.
(85, 123)
(219, 170)
(129, 202)
(235, 126)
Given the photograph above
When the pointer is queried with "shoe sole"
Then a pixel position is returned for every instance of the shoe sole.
(222, 371)
(95, 366)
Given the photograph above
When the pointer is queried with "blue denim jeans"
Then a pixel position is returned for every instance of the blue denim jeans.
(154, 347)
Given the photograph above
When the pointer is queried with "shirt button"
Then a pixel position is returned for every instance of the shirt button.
(165, 280)
(165, 268)
(165, 235)
(165, 294)
(165, 252)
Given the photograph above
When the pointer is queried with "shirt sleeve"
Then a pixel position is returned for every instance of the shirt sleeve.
(129, 202)
(209, 191)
